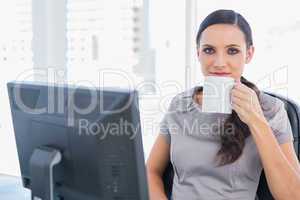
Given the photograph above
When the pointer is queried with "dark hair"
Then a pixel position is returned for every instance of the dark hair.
(232, 145)
(226, 17)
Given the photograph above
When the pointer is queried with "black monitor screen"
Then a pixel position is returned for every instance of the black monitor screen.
(96, 131)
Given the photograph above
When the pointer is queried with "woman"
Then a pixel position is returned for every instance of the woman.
(223, 164)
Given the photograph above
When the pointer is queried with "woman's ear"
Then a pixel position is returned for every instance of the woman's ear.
(249, 54)
(198, 54)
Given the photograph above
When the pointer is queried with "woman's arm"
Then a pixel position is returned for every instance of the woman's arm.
(280, 164)
(156, 164)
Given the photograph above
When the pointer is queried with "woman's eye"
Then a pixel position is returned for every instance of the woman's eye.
(208, 50)
(232, 51)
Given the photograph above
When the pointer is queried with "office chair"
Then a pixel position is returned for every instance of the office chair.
(263, 192)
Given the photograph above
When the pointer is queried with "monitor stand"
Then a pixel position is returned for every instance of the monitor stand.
(42, 162)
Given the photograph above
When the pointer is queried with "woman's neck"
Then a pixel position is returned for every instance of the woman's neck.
(197, 97)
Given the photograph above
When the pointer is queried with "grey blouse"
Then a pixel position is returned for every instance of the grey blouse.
(194, 142)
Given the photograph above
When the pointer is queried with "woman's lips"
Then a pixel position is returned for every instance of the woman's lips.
(219, 74)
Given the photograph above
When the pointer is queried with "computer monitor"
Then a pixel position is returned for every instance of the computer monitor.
(78, 143)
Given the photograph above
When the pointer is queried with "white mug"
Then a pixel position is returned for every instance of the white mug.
(216, 94)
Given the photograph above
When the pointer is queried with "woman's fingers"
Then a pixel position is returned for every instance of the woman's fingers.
(238, 109)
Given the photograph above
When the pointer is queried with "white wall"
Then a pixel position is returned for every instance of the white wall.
(167, 35)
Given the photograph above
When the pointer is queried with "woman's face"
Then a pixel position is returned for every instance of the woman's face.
(222, 49)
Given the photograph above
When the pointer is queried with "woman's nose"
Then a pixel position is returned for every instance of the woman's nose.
(220, 61)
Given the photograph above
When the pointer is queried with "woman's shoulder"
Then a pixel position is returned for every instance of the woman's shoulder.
(182, 100)
(276, 114)
(270, 105)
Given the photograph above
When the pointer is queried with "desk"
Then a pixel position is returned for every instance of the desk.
(11, 188)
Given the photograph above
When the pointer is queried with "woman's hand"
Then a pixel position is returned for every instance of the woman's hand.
(246, 104)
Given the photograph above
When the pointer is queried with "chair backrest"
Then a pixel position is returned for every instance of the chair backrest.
(263, 192)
